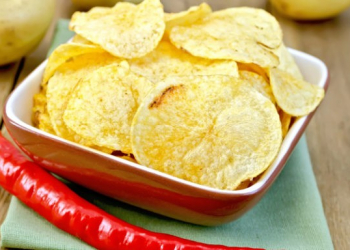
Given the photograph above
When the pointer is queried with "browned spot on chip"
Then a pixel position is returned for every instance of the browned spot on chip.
(160, 99)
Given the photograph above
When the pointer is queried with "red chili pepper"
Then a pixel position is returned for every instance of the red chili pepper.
(66, 210)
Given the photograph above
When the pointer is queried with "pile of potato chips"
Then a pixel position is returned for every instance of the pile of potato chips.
(204, 96)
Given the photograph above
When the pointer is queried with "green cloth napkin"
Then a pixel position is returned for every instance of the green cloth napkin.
(290, 216)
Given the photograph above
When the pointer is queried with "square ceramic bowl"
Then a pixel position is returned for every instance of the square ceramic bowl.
(139, 185)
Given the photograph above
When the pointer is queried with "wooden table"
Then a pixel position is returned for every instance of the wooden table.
(328, 134)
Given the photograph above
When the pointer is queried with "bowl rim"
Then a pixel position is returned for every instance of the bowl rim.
(267, 178)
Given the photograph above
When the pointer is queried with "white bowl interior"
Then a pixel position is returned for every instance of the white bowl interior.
(20, 103)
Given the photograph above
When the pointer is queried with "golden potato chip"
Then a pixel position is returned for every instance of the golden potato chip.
(286, 120)
(64, 53)
(126, 30)
(187, 17)
(102, 149)
(125, 6)
(39, 105)
(102, 106)
(211, 130)
(243, 34)
(40, 116)
(254, 68)
(259, 83)
(287, 62)
(167, 60)
(294, 96)
(81, 40)
(64, 81)
(243, 185)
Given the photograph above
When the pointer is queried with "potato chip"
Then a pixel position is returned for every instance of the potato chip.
(286, 120)
(167, 60)
(126, 30)
(39, 105)
(287, 62)
(64, 81)
(64, 53)
(187, 17)
(254, 68)
(81, 40)
(211, 130)
(259, 83)
(243, 34)
(243, 185)
(102, 149)
(40, 116)
(102, 106)
(294, 96)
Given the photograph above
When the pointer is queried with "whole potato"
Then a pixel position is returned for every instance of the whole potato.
(88, 4)
(85, 5)
(23, 24)
(310, 9)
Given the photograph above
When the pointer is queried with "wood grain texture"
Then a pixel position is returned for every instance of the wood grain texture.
(328, 134)
(8, 77)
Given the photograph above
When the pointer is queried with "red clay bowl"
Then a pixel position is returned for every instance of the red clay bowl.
(139, 185)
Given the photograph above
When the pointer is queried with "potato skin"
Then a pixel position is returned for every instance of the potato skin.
(23, 24)
(85, 5)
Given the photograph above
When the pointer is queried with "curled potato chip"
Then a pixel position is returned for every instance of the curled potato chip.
(254, 68)
(187, 17)
(287, 62)
(64, 81)
(259, 83)
(199, 128)
(126, 30)
(294, 96)
(102, 106)
(286, 121)
(64, 53)
(243, 34)
(81, 40)
(167, 60)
